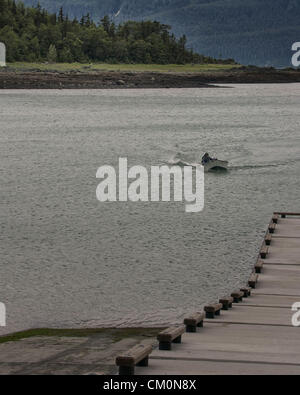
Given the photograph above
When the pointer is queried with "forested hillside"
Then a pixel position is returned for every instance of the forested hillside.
(253, 32)
(33, 34)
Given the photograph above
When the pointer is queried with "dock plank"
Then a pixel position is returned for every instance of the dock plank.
(285, 256)
(183, 367)
(258, 316)
(283, 251)
(238, 343)
(284, 230)
(263, 300)
(285, 242)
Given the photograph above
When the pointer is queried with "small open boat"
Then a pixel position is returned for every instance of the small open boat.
(215, 164)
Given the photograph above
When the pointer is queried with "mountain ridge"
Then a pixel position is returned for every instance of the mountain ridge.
(259, 32)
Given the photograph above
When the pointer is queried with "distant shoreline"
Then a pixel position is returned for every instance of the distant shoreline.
(84, 78)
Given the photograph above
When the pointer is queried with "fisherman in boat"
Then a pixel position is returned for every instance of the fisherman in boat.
(213, 163)
(206, 158)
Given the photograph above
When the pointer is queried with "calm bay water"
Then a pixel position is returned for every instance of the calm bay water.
(68, 260)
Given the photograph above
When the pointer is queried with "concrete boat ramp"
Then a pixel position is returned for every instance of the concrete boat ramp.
(256, 336)
(239, 334)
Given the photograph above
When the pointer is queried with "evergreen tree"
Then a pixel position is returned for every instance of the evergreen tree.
(33, 34)
(61, 15)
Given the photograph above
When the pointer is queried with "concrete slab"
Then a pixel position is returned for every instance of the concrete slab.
(94, 353)
(183, 367)
(284, 251)
(268, 301)
(291, 230)
(286, 273)
(282, 262)
(237, 343)
(289, 221)
(10, 368)
(44, 355)
(284, 242)
(257, 316)
(288, 256)
(36, 349)
(277, 289)
(279, 280)
(58, 369)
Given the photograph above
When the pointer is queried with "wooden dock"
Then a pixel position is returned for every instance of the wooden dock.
(255, 336)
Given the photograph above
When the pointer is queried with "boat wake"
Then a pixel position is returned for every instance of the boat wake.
(177, 160)
(246, 167)
(264, 166)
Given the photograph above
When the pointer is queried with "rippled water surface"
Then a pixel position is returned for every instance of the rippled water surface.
(68, 260)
